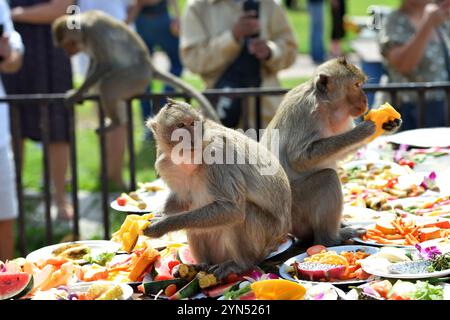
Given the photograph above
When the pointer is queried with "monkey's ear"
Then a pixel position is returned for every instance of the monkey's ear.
(343, 61)
(322, 82)
(152, 125)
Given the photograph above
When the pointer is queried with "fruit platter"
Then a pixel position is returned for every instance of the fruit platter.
(405, 232)
(334, 265)
(418, 263)
(149, 197)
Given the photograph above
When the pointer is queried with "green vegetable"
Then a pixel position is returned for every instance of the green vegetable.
(100, 259)
(231, 294)
(440, 262)
(426, 291)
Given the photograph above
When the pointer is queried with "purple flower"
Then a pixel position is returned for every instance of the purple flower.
(428, 253)
(257, 275)
(430, 181)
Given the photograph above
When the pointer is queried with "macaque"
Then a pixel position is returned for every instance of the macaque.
(316, 130)
(120, 65)
(233, 213)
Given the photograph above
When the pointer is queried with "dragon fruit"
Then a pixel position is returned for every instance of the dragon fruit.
(315, 271)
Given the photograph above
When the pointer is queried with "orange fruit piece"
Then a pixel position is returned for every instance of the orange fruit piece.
(381, 115)
(278, 289)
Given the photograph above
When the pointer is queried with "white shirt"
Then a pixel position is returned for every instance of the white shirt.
(15, 41)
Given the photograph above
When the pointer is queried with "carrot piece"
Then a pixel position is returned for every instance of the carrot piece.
(398, 227)
(394, 237)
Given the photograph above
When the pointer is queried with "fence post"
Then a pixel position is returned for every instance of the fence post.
(74, 172)
(46, 161)
(17, 150)
(103, 169)
(132, 157)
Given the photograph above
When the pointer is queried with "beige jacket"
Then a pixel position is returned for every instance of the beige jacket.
(207, 45)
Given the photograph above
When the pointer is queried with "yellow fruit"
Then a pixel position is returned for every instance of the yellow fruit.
(380, 116)
(278, 289)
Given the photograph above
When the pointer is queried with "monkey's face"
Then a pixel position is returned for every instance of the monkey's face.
(357, 99)
(71, 46)
(176, 122)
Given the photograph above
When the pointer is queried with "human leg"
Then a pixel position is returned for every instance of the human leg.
(59, 163)
(316, 31)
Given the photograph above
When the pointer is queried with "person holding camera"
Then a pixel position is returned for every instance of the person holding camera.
(415, 44)
(237, 44)
(11, 52)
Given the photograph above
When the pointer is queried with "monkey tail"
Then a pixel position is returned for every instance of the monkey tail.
(205, 105)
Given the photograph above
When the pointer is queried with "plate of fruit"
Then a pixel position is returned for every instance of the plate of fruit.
(335, 265)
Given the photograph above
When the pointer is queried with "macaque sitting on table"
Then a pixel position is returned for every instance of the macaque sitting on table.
(316, 130)
(234, 200)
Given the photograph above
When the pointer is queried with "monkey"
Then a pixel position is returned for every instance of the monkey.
(315, 123)
(233, 213)
(121, 65)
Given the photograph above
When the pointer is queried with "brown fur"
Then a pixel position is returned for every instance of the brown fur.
(234, 216)
(316, 128)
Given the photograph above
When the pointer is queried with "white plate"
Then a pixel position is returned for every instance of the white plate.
(352, 295)
(430, 137)
(366, 266)
(84, 287)
(282, 248)
(417, 219)
(154, 201)
(395, 168)
(97, 247)
(359, 216)
(338, 249)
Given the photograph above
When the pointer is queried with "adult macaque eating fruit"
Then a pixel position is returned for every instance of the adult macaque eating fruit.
(120, 65)
(233, 214)
(316, 129)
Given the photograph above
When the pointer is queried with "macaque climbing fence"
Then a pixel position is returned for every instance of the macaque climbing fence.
(248, 96)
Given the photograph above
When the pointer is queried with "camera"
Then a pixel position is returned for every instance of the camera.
(252, 5)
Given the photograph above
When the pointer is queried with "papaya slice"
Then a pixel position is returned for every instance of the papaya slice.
(380, 116)
(278, 289)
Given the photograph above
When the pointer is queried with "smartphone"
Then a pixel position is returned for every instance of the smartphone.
(252, 5)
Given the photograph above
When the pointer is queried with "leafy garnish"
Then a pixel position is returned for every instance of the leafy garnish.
(100, 259)
(235, 294)
(427, 291)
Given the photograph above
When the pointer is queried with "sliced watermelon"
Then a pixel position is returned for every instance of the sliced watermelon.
(218, 291)
(15, 285)
(185, 256)
(162, 270)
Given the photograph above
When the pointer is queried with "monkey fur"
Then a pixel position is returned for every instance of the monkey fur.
(234, 216)
(120, 65)
(316, 130)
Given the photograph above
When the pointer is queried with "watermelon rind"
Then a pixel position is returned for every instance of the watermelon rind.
(21, 292)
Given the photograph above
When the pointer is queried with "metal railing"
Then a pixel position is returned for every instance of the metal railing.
(246, 95)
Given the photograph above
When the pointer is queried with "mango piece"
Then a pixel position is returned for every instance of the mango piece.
(380, 116)
(130, 230)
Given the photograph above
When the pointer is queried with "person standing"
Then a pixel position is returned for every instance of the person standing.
(316, 26)
(338, 11)
(11, 52)
(159, 28)
(232, 48)
(415, 44)
(46, 69)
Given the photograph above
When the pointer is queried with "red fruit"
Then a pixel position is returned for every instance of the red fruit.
(121, 201)
(315, 271)
(315, 249)
(172, 264)
(232, 277)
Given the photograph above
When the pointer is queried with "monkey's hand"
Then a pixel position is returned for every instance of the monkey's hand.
(157, 230)
(72, 97)
(222, 270)
(392, 126)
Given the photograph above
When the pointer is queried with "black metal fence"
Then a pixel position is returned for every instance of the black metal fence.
(247, 95)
